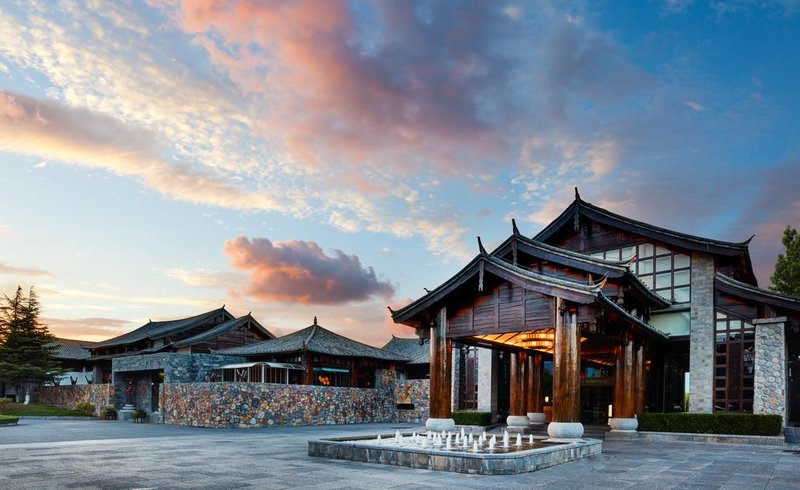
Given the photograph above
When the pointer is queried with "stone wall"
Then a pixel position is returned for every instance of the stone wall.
(701, 335)
(769, 395)
(246, 405)
(100, 395)
(416, 391)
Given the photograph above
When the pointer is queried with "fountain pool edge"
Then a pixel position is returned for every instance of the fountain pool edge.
(355, 449)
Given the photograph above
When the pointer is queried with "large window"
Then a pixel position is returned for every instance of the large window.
(666, 272)
(734, 364)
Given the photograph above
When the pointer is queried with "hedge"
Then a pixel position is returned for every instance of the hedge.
(473, 418)
(8, 420)
(712, 423)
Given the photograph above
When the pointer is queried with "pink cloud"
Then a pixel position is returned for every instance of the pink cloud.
(300, 272)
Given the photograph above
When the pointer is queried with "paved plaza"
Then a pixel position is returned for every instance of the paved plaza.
(100, 454)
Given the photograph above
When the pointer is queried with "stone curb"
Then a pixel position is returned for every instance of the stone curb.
(701, 438)
(53, 417)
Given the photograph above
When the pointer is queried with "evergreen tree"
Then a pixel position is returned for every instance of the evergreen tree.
(786, 278)
(27, 349)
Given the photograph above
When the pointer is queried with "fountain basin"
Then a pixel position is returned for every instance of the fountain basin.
(502, 461)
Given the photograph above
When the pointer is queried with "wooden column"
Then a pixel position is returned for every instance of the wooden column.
(441, 353)
(566, 367)
(624, 405)
(640, 377)
(516, 392)
(535, 401)
(308, 374)
(619, 381)
(353, 374)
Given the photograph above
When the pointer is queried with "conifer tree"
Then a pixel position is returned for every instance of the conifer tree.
(786, 278)
(27, 349)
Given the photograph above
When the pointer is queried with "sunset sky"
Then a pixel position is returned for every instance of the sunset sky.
(329, 158)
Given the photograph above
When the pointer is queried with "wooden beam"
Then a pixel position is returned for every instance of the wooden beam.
(535, 400)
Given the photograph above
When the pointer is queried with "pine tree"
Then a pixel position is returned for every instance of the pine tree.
(27, 349)
(786, 278)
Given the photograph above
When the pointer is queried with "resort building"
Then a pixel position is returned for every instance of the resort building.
(600, 316)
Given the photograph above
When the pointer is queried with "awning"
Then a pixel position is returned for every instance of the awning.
(332, 370)
(276, 365)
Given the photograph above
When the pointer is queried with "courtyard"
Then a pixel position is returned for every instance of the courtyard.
(101, 454)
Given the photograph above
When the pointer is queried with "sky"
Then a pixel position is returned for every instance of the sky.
(294, 159)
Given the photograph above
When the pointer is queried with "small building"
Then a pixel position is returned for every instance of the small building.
(419, 353)
(326, 358)
(174, 351)
(74, 358)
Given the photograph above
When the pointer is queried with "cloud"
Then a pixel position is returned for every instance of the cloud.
(203, 277)
(54, 131)
(24, 271)
(300, 272)
(93, 328)
(695, 106)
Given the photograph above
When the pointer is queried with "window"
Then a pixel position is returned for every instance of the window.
(666, 272)
(734, 364)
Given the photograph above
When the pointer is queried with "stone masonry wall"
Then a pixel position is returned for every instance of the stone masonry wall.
(769, 395)
(100, 395)
(250, 405)
(416, 391)
(701, 335)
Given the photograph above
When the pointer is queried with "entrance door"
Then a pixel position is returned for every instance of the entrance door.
(595, 399)
(155, 389)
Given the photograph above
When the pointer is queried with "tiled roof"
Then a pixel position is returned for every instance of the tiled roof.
(410, 348)
(72, 349)
(156, 330)
(220, 329)
(315, 339)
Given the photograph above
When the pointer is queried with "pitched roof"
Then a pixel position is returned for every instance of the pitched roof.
(587, 293)
(72, 349)
(612, 269)
(156, 330)
(318, 340)
(742, 289)
(411, 349)
(222, 328)
(684, 240)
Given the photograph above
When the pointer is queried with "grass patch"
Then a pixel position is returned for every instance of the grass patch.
(8, 419)
(712, 423)
(38, 410)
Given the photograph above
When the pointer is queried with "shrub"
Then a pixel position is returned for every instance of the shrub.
(473, 418)
(4, 402)
(85, 407)
(8, 420)
(712, 423)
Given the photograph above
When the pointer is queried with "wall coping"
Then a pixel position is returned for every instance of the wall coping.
(709, 438)
(767, 321)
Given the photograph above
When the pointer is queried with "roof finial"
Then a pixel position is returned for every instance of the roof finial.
(315, 319)
(427, 290)
(390, 309)
(480, 246)
(747, 242)
(514, 228)
(577, 194)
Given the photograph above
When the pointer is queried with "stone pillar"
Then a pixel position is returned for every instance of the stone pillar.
(769, 383)
(517, 408)
(701, 335)
(488, 374)
(566, 422)
(440, 381)
(535, 401)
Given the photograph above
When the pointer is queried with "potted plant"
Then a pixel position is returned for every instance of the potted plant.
(139, 416)
(110, 413)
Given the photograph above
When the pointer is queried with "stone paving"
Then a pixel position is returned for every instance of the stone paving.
(98, 454)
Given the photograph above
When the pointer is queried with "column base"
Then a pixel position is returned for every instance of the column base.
(518, 421)
(565, 430)
(438, 425)
(536, 418)
(623, 424)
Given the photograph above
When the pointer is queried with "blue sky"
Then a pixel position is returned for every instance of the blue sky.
(306, 158)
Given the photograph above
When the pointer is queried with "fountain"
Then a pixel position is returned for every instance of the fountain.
(457, 451)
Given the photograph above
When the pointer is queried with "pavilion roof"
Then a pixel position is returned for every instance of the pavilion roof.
(222, 328)
(748, 291)
(580, 207)
(317, 339)
(574, 290)
(156, 330)
(72, 348)
(607, 268)
(411, 348)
